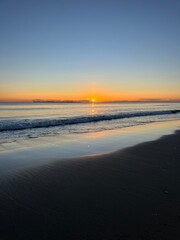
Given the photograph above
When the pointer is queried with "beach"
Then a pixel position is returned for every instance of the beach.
(90, 120)
(132, 193)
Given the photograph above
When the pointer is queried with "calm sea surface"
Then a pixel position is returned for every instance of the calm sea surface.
(19, 121)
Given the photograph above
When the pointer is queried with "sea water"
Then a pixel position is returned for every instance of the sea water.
(19, 121)
(35, 133)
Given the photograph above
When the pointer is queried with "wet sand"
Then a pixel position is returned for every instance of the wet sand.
(130, 194)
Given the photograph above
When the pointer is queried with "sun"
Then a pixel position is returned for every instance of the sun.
(92, 100)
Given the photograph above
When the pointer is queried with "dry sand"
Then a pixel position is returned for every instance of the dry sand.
(130, 194)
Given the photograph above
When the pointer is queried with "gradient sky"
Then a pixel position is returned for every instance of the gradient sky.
(107, 50)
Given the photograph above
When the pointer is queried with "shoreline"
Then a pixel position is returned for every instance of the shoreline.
(23, 155)
(129, 194)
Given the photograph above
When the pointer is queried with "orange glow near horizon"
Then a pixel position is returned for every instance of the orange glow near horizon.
(101, 88)
(113, 96)
(99, 92)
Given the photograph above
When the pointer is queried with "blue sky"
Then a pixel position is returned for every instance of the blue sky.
(121, 46)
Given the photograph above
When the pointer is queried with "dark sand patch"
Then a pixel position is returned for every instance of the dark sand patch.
(129, 194)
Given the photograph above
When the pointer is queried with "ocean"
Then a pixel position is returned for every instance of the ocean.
(19, 121)
(34, 134)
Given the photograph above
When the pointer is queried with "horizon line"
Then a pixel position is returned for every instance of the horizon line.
(89, 101)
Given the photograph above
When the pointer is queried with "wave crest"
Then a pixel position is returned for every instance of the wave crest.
(13, 125)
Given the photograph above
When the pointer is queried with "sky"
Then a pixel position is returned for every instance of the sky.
(81, 49)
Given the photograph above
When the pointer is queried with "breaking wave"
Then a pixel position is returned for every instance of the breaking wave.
(13, 125)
